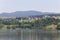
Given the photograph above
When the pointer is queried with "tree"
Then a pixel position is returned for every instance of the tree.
(58, 27)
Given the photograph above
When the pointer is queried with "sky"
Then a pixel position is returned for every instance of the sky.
(26, 5)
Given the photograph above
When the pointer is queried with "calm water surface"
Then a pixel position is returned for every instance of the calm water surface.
(29, 35)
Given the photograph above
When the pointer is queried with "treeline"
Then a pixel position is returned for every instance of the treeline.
(30, 23)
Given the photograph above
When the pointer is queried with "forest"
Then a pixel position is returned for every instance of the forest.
(35, 22)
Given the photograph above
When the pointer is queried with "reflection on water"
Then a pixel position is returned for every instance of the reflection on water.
(29, 35)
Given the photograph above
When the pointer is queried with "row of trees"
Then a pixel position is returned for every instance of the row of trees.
(37, 24)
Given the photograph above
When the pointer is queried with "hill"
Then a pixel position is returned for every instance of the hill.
(26, 13)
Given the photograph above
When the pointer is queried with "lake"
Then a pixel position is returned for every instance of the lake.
(27, 34)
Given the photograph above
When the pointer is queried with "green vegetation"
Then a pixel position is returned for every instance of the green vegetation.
(46, 23)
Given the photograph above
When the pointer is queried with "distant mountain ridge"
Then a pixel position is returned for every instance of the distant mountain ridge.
(26, 13)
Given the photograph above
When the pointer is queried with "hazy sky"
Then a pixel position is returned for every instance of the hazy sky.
(24, 5)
